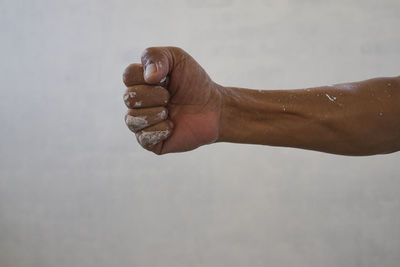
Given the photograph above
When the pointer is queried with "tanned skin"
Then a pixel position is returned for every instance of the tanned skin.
(174, 106)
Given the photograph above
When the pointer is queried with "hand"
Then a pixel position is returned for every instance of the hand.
(173, 104)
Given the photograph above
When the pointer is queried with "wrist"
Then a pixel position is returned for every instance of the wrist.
(243, 115)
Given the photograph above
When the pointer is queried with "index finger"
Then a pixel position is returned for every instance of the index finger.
(133, 75)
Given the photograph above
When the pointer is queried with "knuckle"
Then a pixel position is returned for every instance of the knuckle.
(150, 138)
(126, 74)
(142, 96)
(177, 50)
(129, 97)
(133, 74)
(136, 123)
(147, 52)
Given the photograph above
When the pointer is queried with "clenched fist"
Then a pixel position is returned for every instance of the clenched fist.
(173, 104)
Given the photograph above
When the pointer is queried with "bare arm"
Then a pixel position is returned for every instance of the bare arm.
(174, 106)
(361, 118)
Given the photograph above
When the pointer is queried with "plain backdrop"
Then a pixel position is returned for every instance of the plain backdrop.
(77, 190)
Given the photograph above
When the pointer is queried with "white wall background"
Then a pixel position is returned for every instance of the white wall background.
(77, 190)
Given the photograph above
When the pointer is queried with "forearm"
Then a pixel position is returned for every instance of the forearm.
(361, 118)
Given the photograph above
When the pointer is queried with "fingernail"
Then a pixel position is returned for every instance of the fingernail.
(150, 69)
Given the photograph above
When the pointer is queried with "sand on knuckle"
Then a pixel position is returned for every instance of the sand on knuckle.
(138, 119)
(151, 138)
(143, 96)
(136, 123)
(153, 135)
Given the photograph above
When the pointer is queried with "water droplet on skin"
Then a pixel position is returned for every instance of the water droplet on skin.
(331, 98)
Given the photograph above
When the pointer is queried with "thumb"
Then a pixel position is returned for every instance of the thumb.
(156, 64)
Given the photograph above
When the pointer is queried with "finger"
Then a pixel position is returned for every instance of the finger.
(156, 63)
(152, 137)
(142, 96)
(138, 119)
(133, 75)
